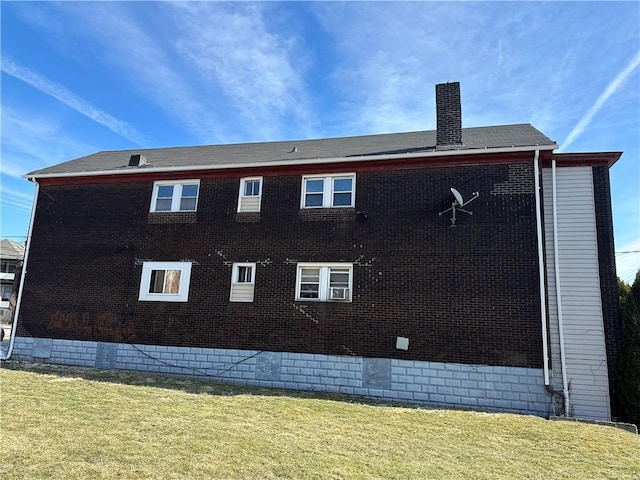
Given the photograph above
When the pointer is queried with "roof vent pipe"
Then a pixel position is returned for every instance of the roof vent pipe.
(137, 160)
(448, 114)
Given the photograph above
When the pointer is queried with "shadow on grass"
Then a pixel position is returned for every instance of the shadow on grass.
(205, 385)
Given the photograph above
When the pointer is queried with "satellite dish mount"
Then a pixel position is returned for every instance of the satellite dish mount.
(457, 205)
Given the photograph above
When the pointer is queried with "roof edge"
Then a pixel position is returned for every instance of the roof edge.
(313, 161)
(586, 159)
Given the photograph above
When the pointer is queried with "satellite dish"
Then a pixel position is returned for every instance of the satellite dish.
(456, 194)
(457, 205)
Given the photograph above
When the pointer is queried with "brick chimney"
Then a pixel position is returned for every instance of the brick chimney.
(448, 114)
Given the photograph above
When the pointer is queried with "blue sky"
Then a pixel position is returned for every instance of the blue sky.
(80, 77)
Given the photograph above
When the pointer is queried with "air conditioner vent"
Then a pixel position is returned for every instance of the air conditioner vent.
(339, 293)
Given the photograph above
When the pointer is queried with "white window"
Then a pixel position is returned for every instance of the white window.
(6, 292)
(175, 196)
(7, 266)
(324, 282)
(324, 191)
(250, 194)
(243, 279)
(165, 281)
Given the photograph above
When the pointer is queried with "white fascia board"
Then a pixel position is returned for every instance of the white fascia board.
(311, 161)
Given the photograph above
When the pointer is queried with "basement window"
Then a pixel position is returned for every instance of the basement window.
(326, 191)
(324, 282)
(175, 196)
(165, 281)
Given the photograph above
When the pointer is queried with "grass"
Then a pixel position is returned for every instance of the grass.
(73, 423)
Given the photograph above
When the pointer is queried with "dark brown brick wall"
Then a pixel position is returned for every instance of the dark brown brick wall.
(464, 294)
(608, 279)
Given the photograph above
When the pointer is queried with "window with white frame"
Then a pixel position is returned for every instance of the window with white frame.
(250, 194)
(324, 282)
(8, 266)
(6, 292)
(165, 281)
(175, 196)
(243, 279)
(324, 191)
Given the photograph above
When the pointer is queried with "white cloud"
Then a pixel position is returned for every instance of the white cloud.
(380, 74)
(70, 99)
(612, 88)
(21, 196)
(393, 54)
(127, 43)
(232, 46)
(31, 141)
(13, 167)
(532, 62)
(205, 64)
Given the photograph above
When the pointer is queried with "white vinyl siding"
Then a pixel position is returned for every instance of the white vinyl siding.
(243, 276)
(250, 194)
(241, 293)
(586, 359)
(249, 204)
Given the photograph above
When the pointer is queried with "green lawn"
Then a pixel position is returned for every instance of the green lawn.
(72, 423)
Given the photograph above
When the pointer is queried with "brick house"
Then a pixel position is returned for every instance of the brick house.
(418, 267)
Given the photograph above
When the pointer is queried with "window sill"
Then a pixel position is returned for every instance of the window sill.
(172, 217)
(314, 300)
(326, 214)
(248, 217)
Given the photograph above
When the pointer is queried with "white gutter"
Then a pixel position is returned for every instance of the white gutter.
(22, 276)
(556, 267)
(543, 300)
(278, 163)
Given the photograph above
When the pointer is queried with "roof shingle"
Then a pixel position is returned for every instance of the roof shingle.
(11, 250)
(244, 154)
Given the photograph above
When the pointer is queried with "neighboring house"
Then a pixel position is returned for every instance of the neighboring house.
(343, 264)
(11, 254)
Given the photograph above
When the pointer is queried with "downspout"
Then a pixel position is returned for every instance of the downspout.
(543, 299)
(22, 275)
(556, 267)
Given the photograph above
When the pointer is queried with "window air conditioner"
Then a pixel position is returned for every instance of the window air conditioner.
(339, 293)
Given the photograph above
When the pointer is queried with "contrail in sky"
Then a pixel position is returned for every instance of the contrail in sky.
(72, 100)
(613, 86)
